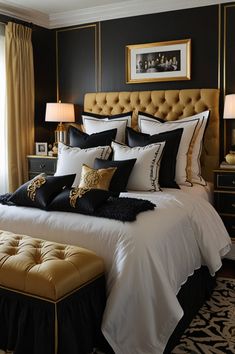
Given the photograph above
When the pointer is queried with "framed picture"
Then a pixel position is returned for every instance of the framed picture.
(41, 148)
(159, 61)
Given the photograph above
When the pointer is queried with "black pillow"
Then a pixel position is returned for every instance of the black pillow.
(77, 138)
(86, 204)
(39, 191)
(168, 162)
(121, 175)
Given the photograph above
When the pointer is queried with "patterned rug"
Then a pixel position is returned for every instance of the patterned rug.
(212, 331)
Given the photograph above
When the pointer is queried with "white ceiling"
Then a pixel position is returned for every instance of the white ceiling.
(58, 13)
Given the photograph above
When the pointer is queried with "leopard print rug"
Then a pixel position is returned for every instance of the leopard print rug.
(212, 331)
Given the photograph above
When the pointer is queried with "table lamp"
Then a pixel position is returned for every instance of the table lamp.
(62, 113)
(229, 113)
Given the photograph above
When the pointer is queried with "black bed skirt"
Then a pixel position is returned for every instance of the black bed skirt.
(27, 324)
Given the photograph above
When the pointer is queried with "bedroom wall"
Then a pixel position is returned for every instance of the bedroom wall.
(98, 52)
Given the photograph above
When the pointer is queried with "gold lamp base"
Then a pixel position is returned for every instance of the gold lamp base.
(61, 134)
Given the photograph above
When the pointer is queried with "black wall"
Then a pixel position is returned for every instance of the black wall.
(93, 58)
(44, 48)
(199, 24)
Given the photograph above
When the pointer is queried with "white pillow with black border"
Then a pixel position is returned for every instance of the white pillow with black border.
(193, 135)
(92, 124)
(153, 126)
(145, 173)
(71, 159)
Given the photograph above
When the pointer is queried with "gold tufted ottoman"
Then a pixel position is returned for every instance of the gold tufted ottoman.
(52, 296)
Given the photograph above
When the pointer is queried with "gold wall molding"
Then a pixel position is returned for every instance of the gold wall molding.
(97, 47)
(225, 8)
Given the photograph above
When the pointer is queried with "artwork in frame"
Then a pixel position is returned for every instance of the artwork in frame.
(41, 149)
(159, 61)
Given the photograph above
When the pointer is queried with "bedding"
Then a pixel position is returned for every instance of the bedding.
(151, 125)
(143, 259)
(97, 123)
(145, 173)
(78, 138)
(206, 192)
(168, 162)
(71, 159)
(120, 178)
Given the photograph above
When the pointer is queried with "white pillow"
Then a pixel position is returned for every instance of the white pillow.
(190, 147)
(71, 159)
(153, 126)
(96, 125)
(145, 173)
(194, 169)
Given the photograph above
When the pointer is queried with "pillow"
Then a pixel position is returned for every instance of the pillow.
(39, 191)
(155, 126)
(92, 124)
(99, 179)
(71, 159)
(77, 138)
(79, 200)
(168, 162)
(120, 178)
(144, 176)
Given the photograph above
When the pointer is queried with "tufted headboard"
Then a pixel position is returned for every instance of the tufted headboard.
(169, 105)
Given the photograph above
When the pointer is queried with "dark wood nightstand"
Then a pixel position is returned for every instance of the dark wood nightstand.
(224, 198)
(38, 164)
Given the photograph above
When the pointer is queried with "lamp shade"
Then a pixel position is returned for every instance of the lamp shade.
(60, 112)
(229, 107)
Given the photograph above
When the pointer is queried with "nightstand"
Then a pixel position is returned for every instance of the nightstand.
(38, 164)
(224, 198)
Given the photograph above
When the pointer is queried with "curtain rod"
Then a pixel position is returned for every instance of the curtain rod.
(3, 23)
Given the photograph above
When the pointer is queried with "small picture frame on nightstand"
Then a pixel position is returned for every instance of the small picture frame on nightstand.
(41, 149)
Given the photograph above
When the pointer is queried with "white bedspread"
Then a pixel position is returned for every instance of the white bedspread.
(147, 261)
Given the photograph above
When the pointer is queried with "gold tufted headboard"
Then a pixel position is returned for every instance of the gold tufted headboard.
(169, 105)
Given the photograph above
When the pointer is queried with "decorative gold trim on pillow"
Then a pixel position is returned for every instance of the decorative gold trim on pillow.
(76, 193)
(98, 179)
(35, 184)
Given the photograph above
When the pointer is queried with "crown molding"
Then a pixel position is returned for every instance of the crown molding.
(100, 13)
(123, 9)
(21, 13)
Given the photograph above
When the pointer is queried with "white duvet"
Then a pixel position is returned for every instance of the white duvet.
(147, 261)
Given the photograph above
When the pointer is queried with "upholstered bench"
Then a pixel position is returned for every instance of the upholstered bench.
(52, 296)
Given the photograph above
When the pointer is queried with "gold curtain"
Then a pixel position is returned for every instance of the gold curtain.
(20, 101)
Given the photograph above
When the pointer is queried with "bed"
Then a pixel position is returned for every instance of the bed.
(150, 261)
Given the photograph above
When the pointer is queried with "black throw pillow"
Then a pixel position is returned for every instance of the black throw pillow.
(80, 139)
(121, 175)
(168, 162)
(87, 203)
(39, 191)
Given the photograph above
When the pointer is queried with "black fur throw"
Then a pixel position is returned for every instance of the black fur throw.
(123, 209)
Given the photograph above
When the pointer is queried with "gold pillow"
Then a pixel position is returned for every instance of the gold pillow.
(96, 179)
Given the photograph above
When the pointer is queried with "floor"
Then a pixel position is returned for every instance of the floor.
(228, 269)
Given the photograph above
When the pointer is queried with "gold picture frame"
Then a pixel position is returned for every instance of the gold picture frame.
(158, 61)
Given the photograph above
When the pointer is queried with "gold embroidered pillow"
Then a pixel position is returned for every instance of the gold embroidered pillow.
(39, 191)
(96, 179)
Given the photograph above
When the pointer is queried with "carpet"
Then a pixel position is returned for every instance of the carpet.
(212, 331)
